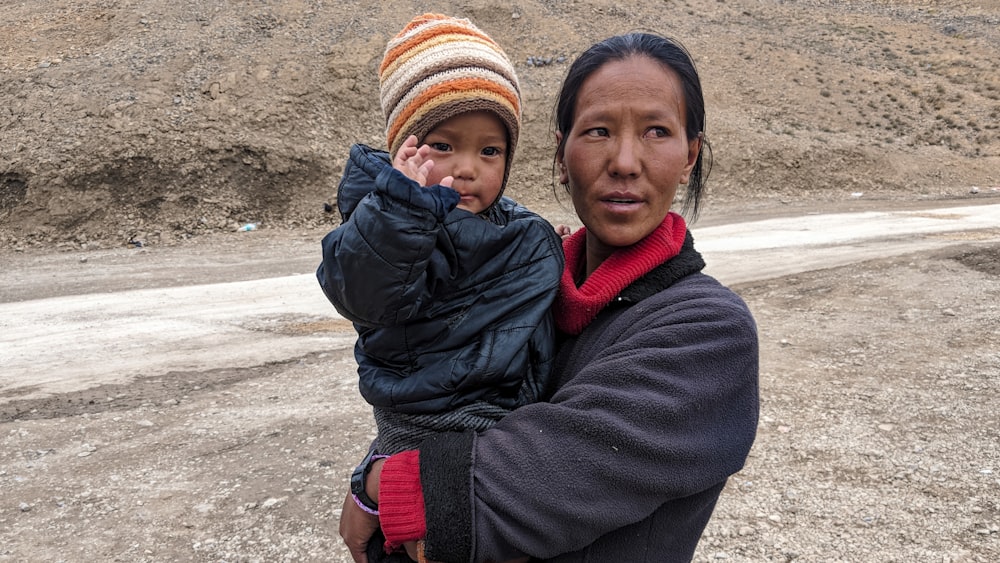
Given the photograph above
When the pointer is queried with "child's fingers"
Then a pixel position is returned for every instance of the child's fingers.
(412, 161)
(424, 171)
(406, 151)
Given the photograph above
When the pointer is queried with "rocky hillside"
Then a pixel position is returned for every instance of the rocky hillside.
(157, 120)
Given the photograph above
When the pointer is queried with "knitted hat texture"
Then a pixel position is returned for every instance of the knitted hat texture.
(438, 67)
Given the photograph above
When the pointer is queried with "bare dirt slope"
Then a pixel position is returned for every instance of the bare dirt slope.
(171, 123)
(157, 120)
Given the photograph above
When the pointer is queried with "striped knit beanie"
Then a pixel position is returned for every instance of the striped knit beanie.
(438, 67)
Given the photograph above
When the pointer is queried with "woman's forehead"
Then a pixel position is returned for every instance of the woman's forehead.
(637, 82)
(632, 70)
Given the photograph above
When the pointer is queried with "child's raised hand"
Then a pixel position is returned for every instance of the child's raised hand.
(412, 161)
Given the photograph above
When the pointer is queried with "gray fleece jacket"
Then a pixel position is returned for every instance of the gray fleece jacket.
(656, 406)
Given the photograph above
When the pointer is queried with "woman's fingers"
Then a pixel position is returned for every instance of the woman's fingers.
(357, 528)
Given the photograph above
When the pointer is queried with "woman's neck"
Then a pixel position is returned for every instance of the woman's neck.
(605, 274)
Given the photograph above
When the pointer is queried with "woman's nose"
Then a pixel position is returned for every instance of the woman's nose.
(624, 160)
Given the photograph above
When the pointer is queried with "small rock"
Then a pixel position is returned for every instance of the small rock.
(271, 502)
(24, 507)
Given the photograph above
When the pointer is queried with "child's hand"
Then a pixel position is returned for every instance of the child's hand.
(413, 162)
(563, 231)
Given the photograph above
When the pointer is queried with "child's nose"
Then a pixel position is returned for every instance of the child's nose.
(465, 166)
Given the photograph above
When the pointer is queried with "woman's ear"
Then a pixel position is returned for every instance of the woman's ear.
(560, 162)
(694, 148)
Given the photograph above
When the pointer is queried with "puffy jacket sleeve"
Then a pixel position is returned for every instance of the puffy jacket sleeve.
(659, 404)
(375, 264)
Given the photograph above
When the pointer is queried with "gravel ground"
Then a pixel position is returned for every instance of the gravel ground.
(877, 441)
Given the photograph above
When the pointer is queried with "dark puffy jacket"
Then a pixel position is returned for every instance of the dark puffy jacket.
(450, 307)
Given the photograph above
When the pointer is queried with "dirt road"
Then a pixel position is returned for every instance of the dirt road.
(199, 402)
(91, 337)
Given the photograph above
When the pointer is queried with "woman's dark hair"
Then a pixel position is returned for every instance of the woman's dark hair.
(670, 54)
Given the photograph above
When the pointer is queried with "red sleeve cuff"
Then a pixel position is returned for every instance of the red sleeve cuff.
(401, 500)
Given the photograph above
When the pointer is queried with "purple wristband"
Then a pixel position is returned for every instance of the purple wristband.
(362, 506)
(357, 500)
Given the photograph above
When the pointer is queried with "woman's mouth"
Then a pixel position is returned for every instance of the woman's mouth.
(621, 198)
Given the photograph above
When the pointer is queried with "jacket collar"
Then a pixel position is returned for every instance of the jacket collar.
(688, 261)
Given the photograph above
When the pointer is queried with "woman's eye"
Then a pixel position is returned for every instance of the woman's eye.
(597, 132)
(658, 132)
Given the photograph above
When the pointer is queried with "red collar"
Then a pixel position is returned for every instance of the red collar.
(576, 307)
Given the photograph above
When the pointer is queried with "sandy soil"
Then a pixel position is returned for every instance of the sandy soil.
(215, 416)
(170, 124)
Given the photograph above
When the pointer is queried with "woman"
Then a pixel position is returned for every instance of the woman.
(656, 399)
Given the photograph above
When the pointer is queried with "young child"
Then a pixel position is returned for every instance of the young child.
(448, 283)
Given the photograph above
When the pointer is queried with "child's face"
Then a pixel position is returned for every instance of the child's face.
(472, 148)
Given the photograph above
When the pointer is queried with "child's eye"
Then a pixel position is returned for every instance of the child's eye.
(442, 147)
(492, 151)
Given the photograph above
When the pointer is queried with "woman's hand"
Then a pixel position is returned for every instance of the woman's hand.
(413, 550)
(412, 161)
(356, 529)
(357, 526)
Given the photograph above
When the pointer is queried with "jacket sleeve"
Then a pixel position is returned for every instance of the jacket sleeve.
(665, 407)
(375, 265)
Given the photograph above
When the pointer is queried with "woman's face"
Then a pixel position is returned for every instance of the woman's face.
(626, 153)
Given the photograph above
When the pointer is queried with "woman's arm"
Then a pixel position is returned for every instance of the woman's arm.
(661, 406)
(356, 525)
